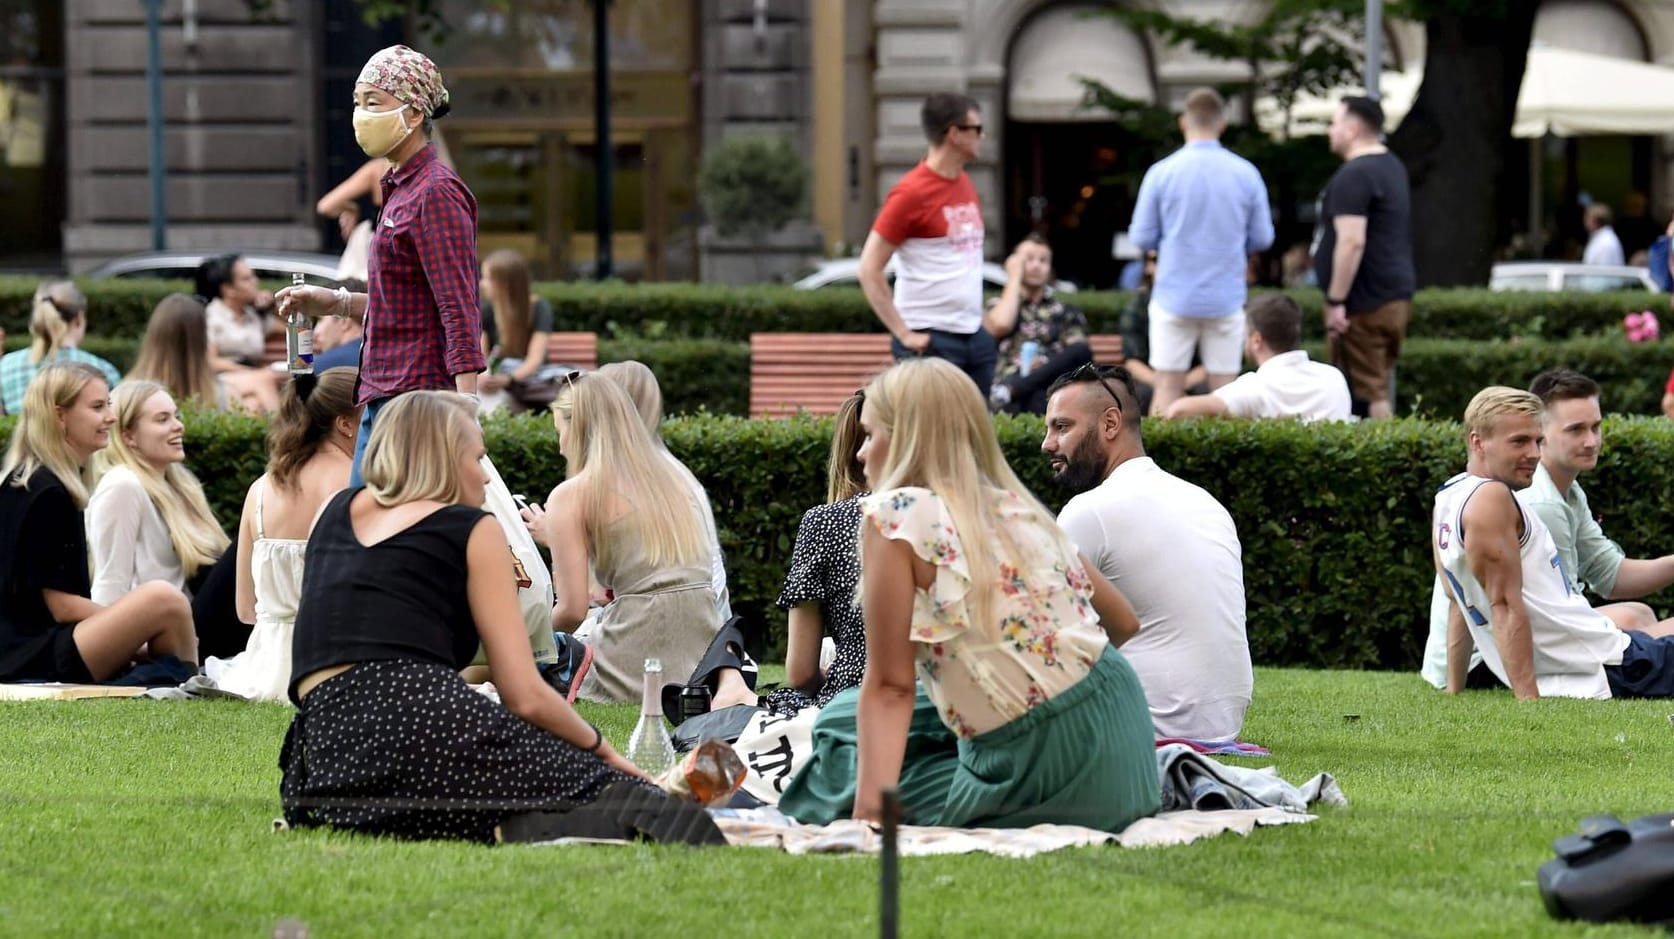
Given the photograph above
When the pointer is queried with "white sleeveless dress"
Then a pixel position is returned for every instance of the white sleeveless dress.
(263, 670)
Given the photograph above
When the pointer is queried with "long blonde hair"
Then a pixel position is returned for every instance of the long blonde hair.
(941, 437)
(614, 455)
(637, 379)
(198, 538)
(56, 306)
(514, 305)
(413, 454)
(175, 351)
(38, 441)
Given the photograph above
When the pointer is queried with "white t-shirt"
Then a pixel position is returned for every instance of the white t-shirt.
(1603, 247)
(936, 225)
(127, 538)
(1174, 553)
(1289, 385)
(1572, 641)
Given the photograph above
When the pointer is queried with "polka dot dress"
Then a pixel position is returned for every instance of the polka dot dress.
(825, 569)
(408, 749)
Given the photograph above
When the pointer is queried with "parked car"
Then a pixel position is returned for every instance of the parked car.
(183, 265)
(845, 272)
(1568, 275)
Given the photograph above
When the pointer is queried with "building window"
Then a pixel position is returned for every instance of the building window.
(32, 175)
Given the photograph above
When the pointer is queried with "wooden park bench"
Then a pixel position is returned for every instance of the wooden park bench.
(579, 349)
(814, 372)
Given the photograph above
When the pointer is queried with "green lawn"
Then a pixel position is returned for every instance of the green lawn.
(139, 818)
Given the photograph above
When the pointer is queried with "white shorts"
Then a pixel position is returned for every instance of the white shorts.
(1174, 338)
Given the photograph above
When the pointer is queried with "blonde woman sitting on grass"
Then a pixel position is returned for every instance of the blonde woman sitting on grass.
(57, 325)
(626, 513)
(148, 518)
(310, 449)
(1024, 711)
(50, 628)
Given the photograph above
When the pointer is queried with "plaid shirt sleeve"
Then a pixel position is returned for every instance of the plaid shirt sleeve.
(446, 238)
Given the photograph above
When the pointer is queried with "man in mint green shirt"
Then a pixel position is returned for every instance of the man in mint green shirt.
(1589, 558)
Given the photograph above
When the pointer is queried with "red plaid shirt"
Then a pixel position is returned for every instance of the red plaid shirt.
(423, 324)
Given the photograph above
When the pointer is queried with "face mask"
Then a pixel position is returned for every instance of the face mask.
(379, 132)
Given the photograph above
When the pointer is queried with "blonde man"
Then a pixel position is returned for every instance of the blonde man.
(1507, 586)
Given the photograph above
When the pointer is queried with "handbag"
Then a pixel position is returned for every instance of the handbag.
(1613, 871)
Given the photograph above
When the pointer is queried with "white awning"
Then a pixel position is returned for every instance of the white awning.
(1564, 92)
(1065, 44)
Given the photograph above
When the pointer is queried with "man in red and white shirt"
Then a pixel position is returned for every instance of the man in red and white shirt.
(931, 223)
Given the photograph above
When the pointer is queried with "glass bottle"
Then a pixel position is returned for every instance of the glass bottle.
(299, 336)
(650, 748)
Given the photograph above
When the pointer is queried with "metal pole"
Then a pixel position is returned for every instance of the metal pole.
(1374, 49)
(604, 154)
(154, 122)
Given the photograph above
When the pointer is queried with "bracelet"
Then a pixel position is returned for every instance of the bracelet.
(1333, 302)
(598, 738)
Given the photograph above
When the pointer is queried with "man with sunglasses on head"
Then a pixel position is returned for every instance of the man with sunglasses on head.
(931, 223)
(1168, 545)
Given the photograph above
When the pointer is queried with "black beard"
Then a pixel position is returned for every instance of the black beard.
(1083, 467)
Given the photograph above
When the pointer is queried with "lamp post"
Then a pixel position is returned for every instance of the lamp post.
(154, 123)
(1374, 49)
(604, 155)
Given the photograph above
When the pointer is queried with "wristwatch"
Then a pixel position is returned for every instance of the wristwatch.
(1332, 301)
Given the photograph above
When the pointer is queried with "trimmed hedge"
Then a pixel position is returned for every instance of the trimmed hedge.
(1437, 376)
(121, 308)
(1334, 519)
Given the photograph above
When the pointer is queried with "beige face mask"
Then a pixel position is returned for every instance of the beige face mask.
(379, 132)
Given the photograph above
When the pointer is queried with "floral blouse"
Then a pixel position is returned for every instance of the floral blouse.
(1042, 634)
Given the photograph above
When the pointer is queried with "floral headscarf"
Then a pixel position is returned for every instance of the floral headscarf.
(407, 75)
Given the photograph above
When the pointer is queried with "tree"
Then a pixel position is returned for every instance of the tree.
(1453, 140)
(752, 185)
(1455, 137)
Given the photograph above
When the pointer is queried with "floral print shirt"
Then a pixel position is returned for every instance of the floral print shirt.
(1046, 321)
(1041, 634)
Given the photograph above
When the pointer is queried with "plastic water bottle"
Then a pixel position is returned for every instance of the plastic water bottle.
(299, 336)
(1030, 349)
(650, 748)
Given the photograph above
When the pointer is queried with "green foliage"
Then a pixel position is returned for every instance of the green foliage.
(695, 374)
(1334, 519)
(752, 184)
(121, 308)
(1437, 377)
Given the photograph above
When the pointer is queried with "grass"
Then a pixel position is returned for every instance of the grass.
(125, 818)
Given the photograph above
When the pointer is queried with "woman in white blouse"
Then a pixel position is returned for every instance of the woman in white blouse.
(148, 518)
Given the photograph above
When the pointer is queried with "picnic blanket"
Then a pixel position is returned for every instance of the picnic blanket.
(61, 691)
(767, 827)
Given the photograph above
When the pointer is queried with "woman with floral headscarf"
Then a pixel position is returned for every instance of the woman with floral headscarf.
(420, 310)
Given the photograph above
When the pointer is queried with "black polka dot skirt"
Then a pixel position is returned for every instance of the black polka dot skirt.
(408, 749)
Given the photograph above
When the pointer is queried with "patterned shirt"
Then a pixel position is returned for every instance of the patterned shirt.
(16, 372)
(1041, 635)
(423, 322)
(1046, 321)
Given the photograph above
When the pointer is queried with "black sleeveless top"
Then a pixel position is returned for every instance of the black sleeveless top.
(402, 598)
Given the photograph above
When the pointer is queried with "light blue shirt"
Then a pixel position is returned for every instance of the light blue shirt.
(1204, 210)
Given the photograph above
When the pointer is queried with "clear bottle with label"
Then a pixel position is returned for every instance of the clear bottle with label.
(650, 748)
(299, 336)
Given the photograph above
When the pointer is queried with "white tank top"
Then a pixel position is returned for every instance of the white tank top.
(1572, 641)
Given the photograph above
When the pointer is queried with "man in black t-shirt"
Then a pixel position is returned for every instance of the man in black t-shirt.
(1363, 254)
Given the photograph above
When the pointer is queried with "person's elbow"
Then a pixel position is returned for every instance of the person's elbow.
(568, 614)
(1351, 242)
(802, 674)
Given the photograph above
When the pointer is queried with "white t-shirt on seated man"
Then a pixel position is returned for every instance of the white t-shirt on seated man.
(1168, 545)
(1286, 383)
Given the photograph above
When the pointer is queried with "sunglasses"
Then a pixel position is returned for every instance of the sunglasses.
(1091, 372)
(975, 127)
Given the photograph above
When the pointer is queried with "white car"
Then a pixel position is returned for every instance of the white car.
(183, 264)
(1568, 275)
(845, 272)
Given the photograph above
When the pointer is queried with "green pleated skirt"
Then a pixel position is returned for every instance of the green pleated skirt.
(1087, 757)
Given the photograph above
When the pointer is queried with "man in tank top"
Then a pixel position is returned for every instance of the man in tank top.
(1509, 591)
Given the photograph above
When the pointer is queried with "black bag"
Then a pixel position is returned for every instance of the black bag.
(727, 724)
(1613, 871)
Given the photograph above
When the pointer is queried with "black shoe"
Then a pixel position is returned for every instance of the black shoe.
(625, 811)
(574, 659)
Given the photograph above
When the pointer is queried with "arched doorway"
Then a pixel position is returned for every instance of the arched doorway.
(1071, 173)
